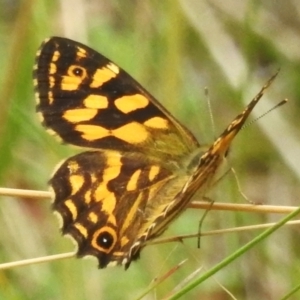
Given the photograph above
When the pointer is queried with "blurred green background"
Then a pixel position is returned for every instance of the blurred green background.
(175, 49)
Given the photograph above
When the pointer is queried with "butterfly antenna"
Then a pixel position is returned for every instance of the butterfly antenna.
(212, 121)
(284, 101)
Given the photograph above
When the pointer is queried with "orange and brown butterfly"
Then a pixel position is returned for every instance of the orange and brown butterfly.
(141, 166)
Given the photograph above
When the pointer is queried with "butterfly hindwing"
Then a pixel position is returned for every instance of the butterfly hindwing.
(108, 201)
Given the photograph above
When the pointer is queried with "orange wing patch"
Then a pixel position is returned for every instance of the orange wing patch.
(79, 114)
(96, 101)
(103, 75)
(133, 133)
(127, 104)
(73, 79)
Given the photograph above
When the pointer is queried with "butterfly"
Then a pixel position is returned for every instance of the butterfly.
(139, 167)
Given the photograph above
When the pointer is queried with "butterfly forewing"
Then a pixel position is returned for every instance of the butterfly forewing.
(89, 101)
